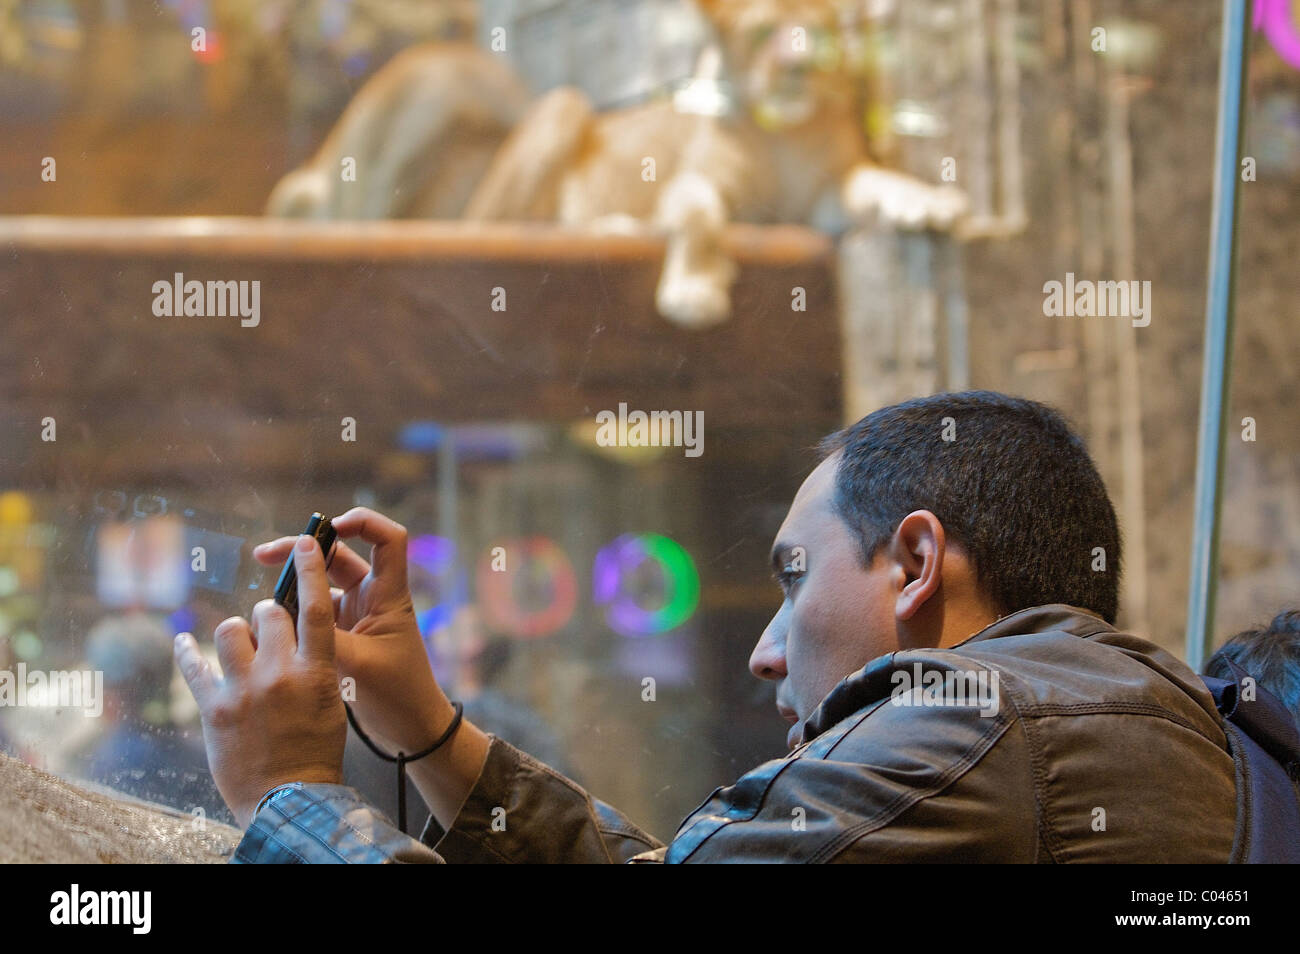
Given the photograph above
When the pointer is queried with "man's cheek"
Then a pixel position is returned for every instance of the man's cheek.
(801, 649)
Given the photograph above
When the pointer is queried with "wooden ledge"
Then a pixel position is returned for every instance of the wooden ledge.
(305, 240)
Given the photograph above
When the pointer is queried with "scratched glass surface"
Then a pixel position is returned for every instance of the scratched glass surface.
(592, 449)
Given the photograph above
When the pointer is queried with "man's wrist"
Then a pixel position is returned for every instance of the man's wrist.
(446, 778)
(425, 732)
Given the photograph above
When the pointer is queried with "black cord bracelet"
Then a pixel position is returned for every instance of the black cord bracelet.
(401, 758)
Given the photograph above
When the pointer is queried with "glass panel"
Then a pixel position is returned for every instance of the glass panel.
(453, 374)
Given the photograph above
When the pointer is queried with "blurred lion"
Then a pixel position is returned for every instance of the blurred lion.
(769, 131)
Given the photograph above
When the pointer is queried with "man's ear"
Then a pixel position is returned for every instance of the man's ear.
(917, 549)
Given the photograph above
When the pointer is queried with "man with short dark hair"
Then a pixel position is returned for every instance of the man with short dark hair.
(944, 655)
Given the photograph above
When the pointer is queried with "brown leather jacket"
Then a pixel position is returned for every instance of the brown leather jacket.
(1046, 737)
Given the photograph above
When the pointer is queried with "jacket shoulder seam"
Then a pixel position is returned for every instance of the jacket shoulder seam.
(1046, 832)
(1043, 710)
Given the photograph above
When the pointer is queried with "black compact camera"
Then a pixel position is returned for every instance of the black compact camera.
(286, 588)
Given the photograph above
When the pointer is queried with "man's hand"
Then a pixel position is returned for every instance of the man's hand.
(398, 701)
(276, 714)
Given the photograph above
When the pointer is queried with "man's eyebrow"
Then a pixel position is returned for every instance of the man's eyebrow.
(778, 557)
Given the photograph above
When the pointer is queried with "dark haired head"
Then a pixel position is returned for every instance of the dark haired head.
(1009, 480)
(1271, 654)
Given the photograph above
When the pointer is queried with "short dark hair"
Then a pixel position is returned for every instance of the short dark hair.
(1008, 478)
(1269, 653)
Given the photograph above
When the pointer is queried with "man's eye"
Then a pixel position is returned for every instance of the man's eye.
(788, 577)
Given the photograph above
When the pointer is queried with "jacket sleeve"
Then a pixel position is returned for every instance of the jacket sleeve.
(523, 811)
(519, 811)
(887, 784)
(326, 824)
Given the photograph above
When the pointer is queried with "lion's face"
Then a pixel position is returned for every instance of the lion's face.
(787, 58)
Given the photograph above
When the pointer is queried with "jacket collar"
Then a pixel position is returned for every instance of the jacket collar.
(1054, 617)
(873, 681)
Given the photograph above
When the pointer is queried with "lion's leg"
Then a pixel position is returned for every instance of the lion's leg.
(695, 285)
(524, 177)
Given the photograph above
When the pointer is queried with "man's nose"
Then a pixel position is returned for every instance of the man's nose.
(767, 661)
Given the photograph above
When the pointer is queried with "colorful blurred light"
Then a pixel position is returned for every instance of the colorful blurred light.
(535, 595)
(1277, 19)
(432, 560)
(617, 573)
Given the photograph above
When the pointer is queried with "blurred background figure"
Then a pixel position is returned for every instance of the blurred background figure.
(138, 750)
(1269, 653)
(475, 661)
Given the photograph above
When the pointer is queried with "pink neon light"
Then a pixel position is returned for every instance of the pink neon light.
(1274, 18)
